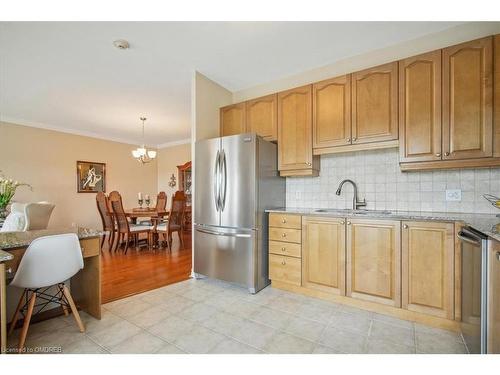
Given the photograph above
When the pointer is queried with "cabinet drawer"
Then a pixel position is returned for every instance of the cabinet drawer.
(285, 220)
(285, 234)
(90, 247)
(285, 248)
(285, 269)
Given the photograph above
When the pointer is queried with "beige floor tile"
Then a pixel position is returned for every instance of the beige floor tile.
(169, 349)
(84, 346)
(93, 325)
(176, 304)
(285, 303)
(434, 344)
(198, 312)
(149, 317)
(305, 328)
(220, 301)
(419, 328)
(265, 296)
(375, 346)
(197, 294)
(352, 322)
(129, 307)
(157, 296)
(171, 328)
(242, 308)
(115, 334)
(343, 340)
(273, 318)
(142, 343)
(316, 310)
(60, 338)
(223, 322)
(322, 349)
(283, 343)
(392, 333)
(356, 311)
(393, 321)
(198, 340)
(253, 334)
(230, 346)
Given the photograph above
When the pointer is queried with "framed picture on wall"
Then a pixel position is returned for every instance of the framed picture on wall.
(90, 177)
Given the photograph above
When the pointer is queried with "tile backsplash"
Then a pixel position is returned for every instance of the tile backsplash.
(385, 187)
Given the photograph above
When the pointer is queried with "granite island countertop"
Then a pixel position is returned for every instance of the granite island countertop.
(12, 240)
(489, 224)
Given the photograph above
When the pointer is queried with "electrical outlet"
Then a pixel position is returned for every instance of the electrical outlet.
(454, 195)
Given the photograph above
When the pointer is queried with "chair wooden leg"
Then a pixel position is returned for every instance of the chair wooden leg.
(102, 240)
(119, 239)
(64, 307)
(27, 319)
(74, 310)
(126, 243)
(111, 240)
(181, 239)
(15, 317)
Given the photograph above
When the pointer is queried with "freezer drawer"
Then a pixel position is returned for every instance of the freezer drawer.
(226, 254)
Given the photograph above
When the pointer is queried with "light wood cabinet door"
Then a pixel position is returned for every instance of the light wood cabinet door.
(375, 104)
(332, 112)
(232, 119)
(420, 108)
(323, 254)
(467, 100)
(374, 261)
(428, 264)
(493, 335)
(262, 117)
(295, 129)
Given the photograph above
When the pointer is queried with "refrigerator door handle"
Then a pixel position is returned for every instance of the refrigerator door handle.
(240, 235)
(224, 180)
(216, 181)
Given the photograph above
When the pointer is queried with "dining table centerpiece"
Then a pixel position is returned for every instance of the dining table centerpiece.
(8, 188)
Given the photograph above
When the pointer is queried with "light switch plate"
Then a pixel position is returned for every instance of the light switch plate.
(454, 195)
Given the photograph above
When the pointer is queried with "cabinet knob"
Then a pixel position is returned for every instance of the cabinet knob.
(405, 226)
(283, 249)
(308, 163)
(348, 140)
(354, 139)
(498, 255)
(283, 221)
(283, 235)
(348, 223)
(342, 223)
(446, 153)
(438, 154)
(283, 262)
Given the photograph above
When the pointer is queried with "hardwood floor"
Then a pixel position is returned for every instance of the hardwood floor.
(142, 269)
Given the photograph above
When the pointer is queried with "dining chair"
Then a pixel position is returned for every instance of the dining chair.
(47, 262)
(161, 202)
(107, 219)
(38, 215)
(125, 230)
(175, 221)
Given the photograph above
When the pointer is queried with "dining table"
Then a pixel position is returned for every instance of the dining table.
(135, 213)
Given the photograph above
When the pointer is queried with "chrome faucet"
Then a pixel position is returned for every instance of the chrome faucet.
(355, 202)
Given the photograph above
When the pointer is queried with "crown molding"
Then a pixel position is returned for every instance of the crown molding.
(174, 143)
(83, 133)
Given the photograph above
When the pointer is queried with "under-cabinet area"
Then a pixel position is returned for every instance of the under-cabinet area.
(405, 268)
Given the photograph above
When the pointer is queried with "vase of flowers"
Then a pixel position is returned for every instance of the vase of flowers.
(7, 190)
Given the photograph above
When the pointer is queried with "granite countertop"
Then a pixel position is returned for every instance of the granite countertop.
(5, 256)
(12, 240)
(488, 224)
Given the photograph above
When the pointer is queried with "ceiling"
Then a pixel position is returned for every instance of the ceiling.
(68, 75)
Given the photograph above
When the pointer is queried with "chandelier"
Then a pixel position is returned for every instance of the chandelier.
(141, 153)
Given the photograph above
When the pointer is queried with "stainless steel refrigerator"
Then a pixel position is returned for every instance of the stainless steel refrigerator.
(236, 179)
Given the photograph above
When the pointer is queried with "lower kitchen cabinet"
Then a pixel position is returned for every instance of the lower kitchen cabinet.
(323, 254)
(374, 261)
(428, 268)
(285, 269)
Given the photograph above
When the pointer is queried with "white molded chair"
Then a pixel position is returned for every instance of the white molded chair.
(48, 261)
(16, 220)
(38, 215)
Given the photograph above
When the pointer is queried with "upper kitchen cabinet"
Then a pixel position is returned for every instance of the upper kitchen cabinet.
(467, 100)
(232, 119)
(262, 117)
(375, 105)
(420, 108)
(428, 268)
(295, 133)
(332, 113)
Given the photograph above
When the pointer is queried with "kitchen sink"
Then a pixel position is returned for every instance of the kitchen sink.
(357, 212)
